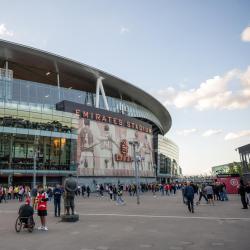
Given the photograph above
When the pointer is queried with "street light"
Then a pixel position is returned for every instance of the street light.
(136, 144)
(36, 141)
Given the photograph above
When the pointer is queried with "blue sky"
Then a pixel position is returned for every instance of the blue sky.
(168, 48)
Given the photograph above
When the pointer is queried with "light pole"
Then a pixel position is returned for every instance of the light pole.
(136, 144)
(35, 160)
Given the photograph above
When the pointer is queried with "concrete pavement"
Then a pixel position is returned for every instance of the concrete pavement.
(157, 223)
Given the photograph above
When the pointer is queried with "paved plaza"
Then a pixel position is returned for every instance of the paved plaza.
(157, 223)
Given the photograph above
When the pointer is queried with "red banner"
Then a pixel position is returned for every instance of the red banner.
(232, 183)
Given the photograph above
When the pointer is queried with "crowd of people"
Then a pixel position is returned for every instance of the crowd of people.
(36, 198)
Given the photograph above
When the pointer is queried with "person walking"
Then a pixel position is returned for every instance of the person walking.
(57, 193)
(184, 199)
(83, 190)
(248, 192)
(189, 194)
(242, 192)
(202, 193)
(110, 191)
(88, 191)
(120, 201)
(115, 192)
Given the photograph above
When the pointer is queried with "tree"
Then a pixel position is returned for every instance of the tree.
(235, 168)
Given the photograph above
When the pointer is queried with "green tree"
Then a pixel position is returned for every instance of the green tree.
(235, 168)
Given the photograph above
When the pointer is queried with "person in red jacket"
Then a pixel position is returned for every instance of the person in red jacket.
(41, 200)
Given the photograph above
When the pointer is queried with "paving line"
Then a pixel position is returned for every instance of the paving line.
(166, 216)
(151, 216)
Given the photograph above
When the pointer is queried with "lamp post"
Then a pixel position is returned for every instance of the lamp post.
(36, 141)
(136, 144)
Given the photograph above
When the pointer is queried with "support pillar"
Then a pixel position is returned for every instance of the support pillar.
(58, 86)
(10, 179)
(44, 180)
(99, 86)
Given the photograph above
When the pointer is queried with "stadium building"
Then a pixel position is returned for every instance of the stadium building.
(59, 116)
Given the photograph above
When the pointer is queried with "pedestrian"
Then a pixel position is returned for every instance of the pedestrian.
(220, 187)
(210, 193)
(88, 191)
(242, 192)
(1, 193)
(33, 194)
(120, 201)
(184, 199)
(57, 193)
(21, 193)
(83, 190)
(224, 191)
(16, 189)
(49, 193)
(189, 194)
(115, 192)
(110, 191)
(130, 190)
(202, 193)
(42, 199)
(101, 190)
(10, 191)
(248, 192)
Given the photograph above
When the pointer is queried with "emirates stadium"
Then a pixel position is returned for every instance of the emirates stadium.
(59, 116)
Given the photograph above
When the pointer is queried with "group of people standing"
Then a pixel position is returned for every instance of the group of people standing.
(208, 191)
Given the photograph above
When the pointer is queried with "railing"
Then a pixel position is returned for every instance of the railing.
(54, 126)
(29, 166)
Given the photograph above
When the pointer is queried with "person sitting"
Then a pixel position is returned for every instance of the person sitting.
(26, 211)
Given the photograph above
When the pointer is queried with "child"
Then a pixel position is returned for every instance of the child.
(42, 199)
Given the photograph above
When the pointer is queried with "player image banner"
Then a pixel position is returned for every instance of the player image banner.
(103, 149)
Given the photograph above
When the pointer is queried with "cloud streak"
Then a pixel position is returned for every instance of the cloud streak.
(124, 30)
(237, 135)
(4, 32)
(211, 132)
(186, 132)
(245, 35)
(214, 93)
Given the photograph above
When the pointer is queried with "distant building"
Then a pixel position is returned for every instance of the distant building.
(223, 169)
(244, 152)
(168, 159)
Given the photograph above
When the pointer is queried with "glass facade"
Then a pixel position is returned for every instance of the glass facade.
(37, 94)
(165, 165)
(32, 129)
(17, 152)
(168, 157)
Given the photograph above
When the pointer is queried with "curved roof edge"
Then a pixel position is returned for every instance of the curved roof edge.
(15, 52)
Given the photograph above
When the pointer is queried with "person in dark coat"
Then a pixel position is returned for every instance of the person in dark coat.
(242, 192)
(189, 194)
(57, 193)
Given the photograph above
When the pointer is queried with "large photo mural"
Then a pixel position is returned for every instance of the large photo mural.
(104, 150)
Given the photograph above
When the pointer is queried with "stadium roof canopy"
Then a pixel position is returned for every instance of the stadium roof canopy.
(40, 66)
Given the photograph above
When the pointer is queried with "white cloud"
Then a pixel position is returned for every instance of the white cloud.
(245, 35)
(124, 30)
(236, 135)
(4, 31)
(214, 93)
(211, 132)
(186, 132)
